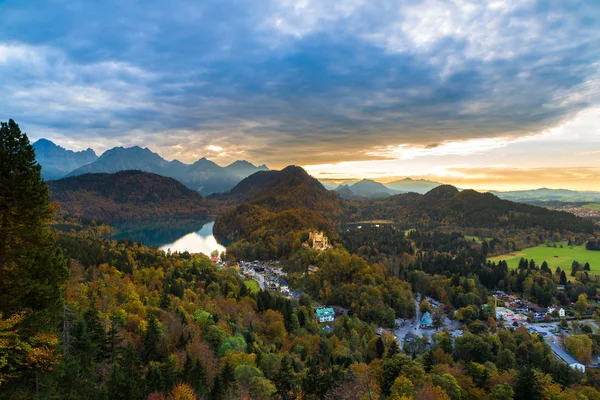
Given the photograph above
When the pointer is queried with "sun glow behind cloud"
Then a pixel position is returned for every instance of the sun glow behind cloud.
(565, 156)
(361, 88)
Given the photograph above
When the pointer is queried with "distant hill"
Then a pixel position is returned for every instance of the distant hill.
(243, 168)
(445, 205)
(545, 194)
(365, 188)
(204, 175)
(413, 185)
(126, 196)
(284, 200)
(57, 161)
(346, 193)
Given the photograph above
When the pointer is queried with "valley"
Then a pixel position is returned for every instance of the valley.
(292, 283)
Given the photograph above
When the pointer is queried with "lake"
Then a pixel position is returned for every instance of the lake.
(195, 235)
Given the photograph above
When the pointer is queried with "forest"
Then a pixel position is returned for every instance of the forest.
(85, 317)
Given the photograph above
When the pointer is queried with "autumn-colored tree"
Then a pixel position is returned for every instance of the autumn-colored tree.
(502, 391)
(18, 351)
(582, 304)
(431, 392)
(402, 388)
(425, 306)
(580, 346)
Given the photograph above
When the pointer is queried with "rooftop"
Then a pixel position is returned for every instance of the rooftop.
(321, 312)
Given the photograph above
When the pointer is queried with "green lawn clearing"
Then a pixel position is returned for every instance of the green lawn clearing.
(554, 256)
(592, 206)
(477, 238)
(252, 285)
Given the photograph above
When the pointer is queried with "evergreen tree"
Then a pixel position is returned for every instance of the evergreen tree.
(380, 347)
(285, 379)
(154, 378)
(528, 386)
(563, 278)
(165, 297)
(197, 378)
(313, 378)
(394, 349)
(170, 373)
(428, 360)
(112, 340)
(125, 379)
(95, 332)
(152, 339)
(32, 269)
(217, 389)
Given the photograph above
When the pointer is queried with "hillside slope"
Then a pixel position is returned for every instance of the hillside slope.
(124, 196)
(447, 206)
(284, 200)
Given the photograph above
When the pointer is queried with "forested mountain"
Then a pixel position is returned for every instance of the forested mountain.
(277, 202)
(413, 185)
(125, 195)
(57, 161)
(447, 206)
(204, 175)
(292, 187)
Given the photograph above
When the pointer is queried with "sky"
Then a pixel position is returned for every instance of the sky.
(497, 94)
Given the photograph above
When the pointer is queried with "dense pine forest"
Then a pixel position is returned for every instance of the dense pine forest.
(86, 317)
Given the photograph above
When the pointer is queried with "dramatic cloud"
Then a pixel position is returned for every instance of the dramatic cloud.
(314, 82)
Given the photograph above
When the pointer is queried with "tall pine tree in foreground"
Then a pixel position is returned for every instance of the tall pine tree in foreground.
(32, 269)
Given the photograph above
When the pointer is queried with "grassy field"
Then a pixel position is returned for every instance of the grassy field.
(372, 222)
(471, 237)
(592, 206)
(554, 256)
(252, 285)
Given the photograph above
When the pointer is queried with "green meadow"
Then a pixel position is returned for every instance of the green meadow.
(252, 285)
(592, 206)
(554, 256)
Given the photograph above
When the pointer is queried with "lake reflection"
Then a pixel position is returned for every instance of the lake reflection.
(202, 241)
(195, 236)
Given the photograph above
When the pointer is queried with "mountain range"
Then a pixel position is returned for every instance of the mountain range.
(204, 176)
(207, 177)
(57, 161)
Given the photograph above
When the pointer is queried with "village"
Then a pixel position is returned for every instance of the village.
(415, 335)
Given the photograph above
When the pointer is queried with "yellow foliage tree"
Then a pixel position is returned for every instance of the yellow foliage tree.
(580, 346)
(19, 352)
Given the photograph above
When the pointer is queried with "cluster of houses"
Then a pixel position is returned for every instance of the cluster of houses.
(510, 307)
(277, 284)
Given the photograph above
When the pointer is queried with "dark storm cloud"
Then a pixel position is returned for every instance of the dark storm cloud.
(311, 81)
